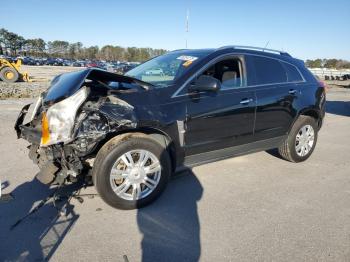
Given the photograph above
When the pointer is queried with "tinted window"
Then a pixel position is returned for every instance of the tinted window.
(293, 74)
(268, 71)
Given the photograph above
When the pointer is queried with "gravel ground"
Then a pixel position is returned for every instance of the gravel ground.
(41, 75)
(22, 89)
(47, 72)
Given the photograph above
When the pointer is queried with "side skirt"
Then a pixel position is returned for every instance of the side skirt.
(216, 155)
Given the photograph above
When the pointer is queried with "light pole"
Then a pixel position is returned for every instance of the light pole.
(187, 25)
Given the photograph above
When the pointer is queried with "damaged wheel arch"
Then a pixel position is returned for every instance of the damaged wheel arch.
(157, 135)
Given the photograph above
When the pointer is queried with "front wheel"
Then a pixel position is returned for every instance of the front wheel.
(131, 171)
(301, 140)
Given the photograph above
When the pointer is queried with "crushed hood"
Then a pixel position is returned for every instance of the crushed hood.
(65, 85)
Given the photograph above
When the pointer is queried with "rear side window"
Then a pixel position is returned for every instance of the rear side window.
(293, 74)
(272, 71)
(268, 71)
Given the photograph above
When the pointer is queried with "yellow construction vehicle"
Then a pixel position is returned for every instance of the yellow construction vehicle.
(10, 73)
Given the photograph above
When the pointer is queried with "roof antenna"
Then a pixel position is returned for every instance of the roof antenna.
(266, 45)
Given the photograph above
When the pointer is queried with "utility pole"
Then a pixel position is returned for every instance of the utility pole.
(187, 25)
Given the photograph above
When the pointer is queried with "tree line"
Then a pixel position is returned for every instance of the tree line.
(328, 63)
(13, 44)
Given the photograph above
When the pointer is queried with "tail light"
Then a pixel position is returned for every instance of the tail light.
(323, 85)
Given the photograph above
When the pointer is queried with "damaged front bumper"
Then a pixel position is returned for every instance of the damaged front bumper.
(54, 165)
(65, 161)
(72, 119)
(32, 135)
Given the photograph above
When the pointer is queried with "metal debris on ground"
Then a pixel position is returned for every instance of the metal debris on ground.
(56, 198)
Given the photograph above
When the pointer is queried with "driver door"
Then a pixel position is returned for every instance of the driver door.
(224, 118)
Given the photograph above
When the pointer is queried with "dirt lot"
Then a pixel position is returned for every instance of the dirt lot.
(250, 208)
(42, 75)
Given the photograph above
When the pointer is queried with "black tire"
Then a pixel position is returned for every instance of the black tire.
(109, 154)
(288, 150)
(6, 71)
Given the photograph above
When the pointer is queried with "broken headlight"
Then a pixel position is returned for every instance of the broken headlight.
(58, 121)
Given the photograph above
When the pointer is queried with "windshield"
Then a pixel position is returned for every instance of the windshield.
(163, 70)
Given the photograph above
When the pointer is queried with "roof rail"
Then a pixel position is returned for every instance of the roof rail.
(257, 49)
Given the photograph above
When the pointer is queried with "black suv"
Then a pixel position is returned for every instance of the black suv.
(131, 132)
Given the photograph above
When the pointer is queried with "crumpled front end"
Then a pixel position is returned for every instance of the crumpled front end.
(56, 162)
(65, 135)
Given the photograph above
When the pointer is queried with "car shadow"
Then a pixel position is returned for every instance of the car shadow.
(170, 226)
(274, 152)
(341, 108)
(37, 236)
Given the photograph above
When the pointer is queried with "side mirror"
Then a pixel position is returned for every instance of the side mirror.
(206, 83)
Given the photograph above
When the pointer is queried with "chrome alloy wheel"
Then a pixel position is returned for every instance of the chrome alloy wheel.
(135, 174)
(304, 140)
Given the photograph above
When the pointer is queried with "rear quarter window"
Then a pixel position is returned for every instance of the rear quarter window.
(293, 74)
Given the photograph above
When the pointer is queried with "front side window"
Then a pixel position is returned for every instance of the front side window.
(228, 72)
(164, 70)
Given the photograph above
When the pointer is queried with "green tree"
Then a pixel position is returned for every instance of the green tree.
(342, 64)
(131, 54)
(58, 48)
(75, 50)
(3, 34)
(119, 53)
(91, 52)
(107, 53)
(11, 41)
(331, 63)
(314, 63)
(34, 47)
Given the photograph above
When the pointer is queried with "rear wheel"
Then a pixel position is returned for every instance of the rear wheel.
(9, 75)
(131, 171)
(301, 140)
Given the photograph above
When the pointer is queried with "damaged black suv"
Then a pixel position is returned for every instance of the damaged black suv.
(188, 107)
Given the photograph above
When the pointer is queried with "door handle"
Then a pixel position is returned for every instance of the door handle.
(246, 101)
(292, 91)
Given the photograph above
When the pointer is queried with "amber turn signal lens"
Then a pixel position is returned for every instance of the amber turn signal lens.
(45, 132)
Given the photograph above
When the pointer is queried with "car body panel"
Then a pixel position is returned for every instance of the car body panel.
(197, 127)
(219, 120)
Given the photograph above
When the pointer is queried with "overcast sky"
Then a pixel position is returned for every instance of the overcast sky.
(306, 29)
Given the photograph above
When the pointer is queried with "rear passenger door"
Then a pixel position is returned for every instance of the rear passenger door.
(277, 89)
